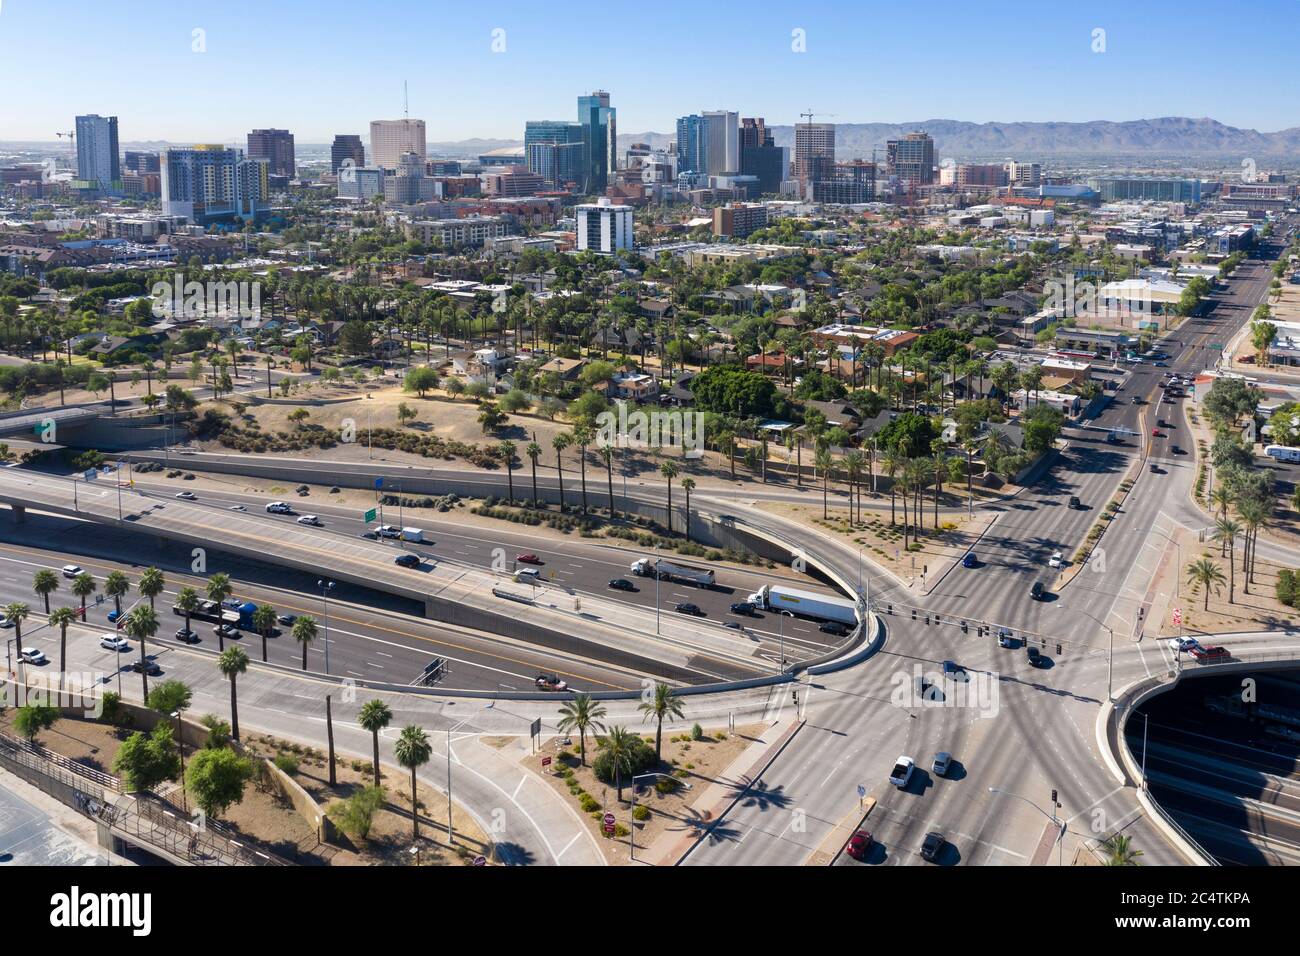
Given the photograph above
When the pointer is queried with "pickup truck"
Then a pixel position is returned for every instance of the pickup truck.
(901, 775)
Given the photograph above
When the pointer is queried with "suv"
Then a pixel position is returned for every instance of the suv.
(406, 561)
(1075, 503)
(942, 763)
(1037, 591)
(933, 846)
(836, 628)
(279, 508)
(1005, 639)
(1215, 652)
(743, 608)
(621, 584)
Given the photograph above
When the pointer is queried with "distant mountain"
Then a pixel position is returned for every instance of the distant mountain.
(1165, 137)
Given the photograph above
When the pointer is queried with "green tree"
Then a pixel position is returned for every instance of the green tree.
(142, 624)
(61, 617)
(669, 472)
(661, 704)
(232, 662)
(83, 586)
(145, 761)
(373, 717)
(534, 451)
(619, 746)
(420, 380)
(304, 632)
(45, 582)
(187, 602)
(1205, 573)
(170, 696)
(264, 621)
(116, 585)
(219, 587)
(412, 750)
(152, 583)
(1119, 851)
(31, 719)
(581, 714)
(216, 778)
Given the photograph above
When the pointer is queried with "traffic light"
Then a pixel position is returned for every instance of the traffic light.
(938, 619)
(963, 627)
(795, 695)
(889, 609)
(914, 614)
(1058, 649)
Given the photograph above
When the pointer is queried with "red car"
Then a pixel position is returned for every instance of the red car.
(528, 558)
(1155, 432)
(1214, 652)
(859, 844)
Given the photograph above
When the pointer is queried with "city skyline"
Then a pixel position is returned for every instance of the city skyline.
(1044, 65)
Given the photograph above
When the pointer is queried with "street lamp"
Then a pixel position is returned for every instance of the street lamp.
(1060, 836)
(1110, 648)
(180, 745)
(326, 588)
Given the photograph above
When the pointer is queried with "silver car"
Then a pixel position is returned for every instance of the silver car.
(942, 761)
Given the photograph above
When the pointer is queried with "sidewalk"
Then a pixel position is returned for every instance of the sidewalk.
(720, 796)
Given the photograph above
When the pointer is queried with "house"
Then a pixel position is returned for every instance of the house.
(656, 309)
(770, 363)
(838, 414)
(1069, 405)
(633, 386)
(481, 365)
(568, 369)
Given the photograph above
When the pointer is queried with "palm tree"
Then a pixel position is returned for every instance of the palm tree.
(219, 587)
(890, 462)
(607, 455)
(1220, 499)
(61, 617)
(187, 602)
(16, 613)
(823, 461)
(374, 716)
(669, 471)
(83, 586)
(560, 442)
(534, 451)
(152, 583)
(1119, 851)
(688, 484)
(45, 582)
(1204, 572)
(141, 624)
(233, 662)
(304, 632)
(506, 450)
(412, 750)
(116, 585)
(1254, 513)
(854, 462)
(1225, 532)
(663, 703)
(264, 620)
(581, 714)
(582, 436)
(618, 743)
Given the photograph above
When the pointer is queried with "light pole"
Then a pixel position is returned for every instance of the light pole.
(655, 570)
(180, 746)
(1062, 824)
(326, 587)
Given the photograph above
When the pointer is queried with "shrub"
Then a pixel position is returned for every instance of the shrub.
(1286, 587)
(286, 763)
(643, 759)
(588, 803)
(697, 732)
(355, 815)
(665, 785)
(641, 813)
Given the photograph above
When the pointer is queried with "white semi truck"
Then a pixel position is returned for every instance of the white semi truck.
(666, 570)
(778, 597)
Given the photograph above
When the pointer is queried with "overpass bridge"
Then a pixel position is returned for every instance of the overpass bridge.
(33, 423)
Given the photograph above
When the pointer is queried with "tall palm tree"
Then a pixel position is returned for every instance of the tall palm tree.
(412, 750)
(661, 704)
(83, 586)
(142, 624)
(1120, 852)
(853, 463)
(890, 462)
(618, 743)
(560, 442)
(669, 471)
(688, 484)
(232, 662)
(506, 450)
(45, 582)
(304, 632)
(582, 436)
(374, 716)
(16, 613)
(187, 602)
(61, 617)
(607, 455)
(152, 583)
(1220, 499)
(581, 714)
(219, 587)
(1205, 573)
(534, 451)
(823, 461)
(115, 586)
(264, 620)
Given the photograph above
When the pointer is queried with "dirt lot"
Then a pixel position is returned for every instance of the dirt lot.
(1258, 610)
(696, 763)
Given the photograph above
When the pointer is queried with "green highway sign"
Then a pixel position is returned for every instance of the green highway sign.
(371, 515)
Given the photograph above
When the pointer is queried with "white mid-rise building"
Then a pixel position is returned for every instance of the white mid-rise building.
(389, 139)
(604, 227)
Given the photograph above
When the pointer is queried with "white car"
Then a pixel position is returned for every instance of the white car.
(388, 531)
(113, 642)
(32, 656)
(902, 772)
(71, 570)
(187, 496)
(1178, 644)
(6, 621)
(1056, 560)
(310, 519)
(236, 508)
(278, 508)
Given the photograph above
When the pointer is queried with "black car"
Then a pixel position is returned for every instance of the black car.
(743, 608)
(932, 846)
(149, 667)
(1037, 591)
(406, 561)
(1075, 503)
(622, 584)
(186, 635)
(226, 630)
(688, 608)
(836, 628)
(287, 619)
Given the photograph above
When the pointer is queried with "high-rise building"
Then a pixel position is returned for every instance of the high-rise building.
(846, 183)
(554, 150)
(407, 183)
(142, 162)
(1024, 174)
(813, 142)
(362, 183)
(276, 147)
(760, 156)
(211, 183)
(98, 161)
(511, 181)
(604, 227)
(691, 145)
(721, 142)
(346, 146)
(981, 176)
(911, 158)
(600, 141)
(389, 139)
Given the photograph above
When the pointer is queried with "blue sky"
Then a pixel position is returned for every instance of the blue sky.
(325, 66)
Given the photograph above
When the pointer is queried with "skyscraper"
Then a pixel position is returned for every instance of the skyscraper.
(554, 149)
(691, 145)
(346, 146)
(276, 147)
(911, 158)
(600, 140)
(389, 139)
(760, 156)
(722, 142)
(812, 142)
(210, 183)
(97, 156)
